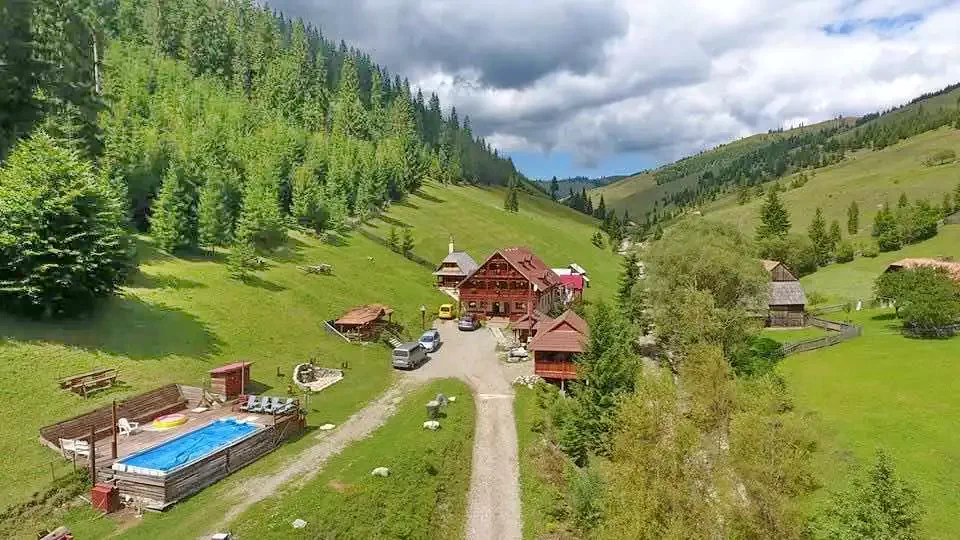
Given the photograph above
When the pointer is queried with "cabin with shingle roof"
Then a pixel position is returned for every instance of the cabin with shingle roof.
(951, 267)
(787, 301)
(454, 268)
(556, 343)
(510, 283)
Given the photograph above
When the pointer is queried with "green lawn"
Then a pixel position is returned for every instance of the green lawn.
(854, 280)
(424, 496)
(883, 390)
(790, 335)
(181, 316)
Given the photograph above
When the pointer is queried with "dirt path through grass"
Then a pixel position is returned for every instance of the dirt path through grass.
(311, 461)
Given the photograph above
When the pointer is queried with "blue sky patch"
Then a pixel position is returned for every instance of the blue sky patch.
(883, 25)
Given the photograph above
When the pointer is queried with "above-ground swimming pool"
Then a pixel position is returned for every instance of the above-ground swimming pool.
(187, 448)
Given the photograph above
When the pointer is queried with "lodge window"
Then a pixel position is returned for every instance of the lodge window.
(481, 285)
(521, 306)
(472, 305)
(501, 284)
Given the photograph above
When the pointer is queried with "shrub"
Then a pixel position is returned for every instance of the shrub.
(63, 236)
(814, 298)
(794, 250)
(940, 157)
(870, 250)
(845, 252)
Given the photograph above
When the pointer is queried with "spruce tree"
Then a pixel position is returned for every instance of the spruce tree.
(174, 222)
(956, 197)
(818, 235)
(835, 235)
(853, 218)
(903, 202)
(774, 219)
(601, 210)
(64, 241)
(554, 188)
(349, 115)
(393, 239)
(218, 208)
(628, 278)
(947, 207)
(260, 221)
(407, 243)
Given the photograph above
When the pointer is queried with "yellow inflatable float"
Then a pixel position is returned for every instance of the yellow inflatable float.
(169, 421)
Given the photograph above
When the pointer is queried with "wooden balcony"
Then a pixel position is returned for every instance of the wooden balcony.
(555, 370)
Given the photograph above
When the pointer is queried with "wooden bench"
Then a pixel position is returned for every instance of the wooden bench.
(73, 380)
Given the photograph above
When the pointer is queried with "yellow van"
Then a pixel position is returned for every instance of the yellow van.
(447, 312)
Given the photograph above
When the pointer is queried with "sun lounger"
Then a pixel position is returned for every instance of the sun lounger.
(251, 401)
(74, 446)
(269, 404)
(257, 405)
(288, 406)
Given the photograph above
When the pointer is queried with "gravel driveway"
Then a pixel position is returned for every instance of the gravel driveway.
(493, 506)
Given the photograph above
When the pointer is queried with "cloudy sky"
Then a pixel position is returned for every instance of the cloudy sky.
(601, 87)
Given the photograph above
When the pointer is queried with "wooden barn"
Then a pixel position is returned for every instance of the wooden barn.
(787, 302)
(454, 268)
(951, 267)
(556, 343)
(510, 283)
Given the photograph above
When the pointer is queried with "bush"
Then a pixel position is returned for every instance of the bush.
(845, 252)
(63, 236)
(793, 250)
(870, 250)
(586, 493)
(814, 298)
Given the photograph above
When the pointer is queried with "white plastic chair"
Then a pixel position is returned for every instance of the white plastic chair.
(127, 427)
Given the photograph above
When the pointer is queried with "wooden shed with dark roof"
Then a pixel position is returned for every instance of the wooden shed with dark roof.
(787, 301)
(555, 345)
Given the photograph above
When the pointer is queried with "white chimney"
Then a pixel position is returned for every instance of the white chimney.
(450, 245)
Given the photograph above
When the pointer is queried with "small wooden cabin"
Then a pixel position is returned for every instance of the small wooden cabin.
(787, 301)
(230, 380)
(454, 268)
(526, 327)
(555, 345)
(364, 322)
(951, 267)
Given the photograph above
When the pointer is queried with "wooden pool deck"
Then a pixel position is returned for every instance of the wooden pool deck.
(146, 437)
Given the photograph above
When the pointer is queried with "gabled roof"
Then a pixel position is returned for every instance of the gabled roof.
(530, 321)
(236, 366)
(464, 262)
(364, 314)
(786, 293)
(568, 333)
(952, 267)
(530, 266)
(572, 281)
(769, 265)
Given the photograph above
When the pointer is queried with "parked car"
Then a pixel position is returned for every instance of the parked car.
(468, 322)
(431, 340)
(447, 312)
(409, 355)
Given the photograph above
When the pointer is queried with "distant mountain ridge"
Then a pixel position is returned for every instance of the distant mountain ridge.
(579, 183)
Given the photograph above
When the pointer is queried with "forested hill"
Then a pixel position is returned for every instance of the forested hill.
(207, 111)
(739, 167)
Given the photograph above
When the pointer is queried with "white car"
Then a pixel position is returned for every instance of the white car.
(430, 340)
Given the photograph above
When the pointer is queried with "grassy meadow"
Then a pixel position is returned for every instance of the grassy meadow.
(869, 178)
(883, 390)
(424, 496)
(180, 316)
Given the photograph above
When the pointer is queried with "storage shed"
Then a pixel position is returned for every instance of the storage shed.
(787, 301)
(364, 322)
(231, 379)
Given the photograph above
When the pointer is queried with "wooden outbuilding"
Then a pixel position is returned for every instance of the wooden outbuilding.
(454, 268)
(230, 380)
(364, 322)
(555, 345)
(787, 301)
(951, 267)
(510, 283)
(526, 327)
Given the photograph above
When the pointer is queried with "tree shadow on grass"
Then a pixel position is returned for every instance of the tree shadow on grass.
(290, 252)
(407, 203)
(394, 221)
(257, 387)
(143, 280)
(257, 281)
(428, 197)
(123, 326)
(336, 239)
(884, 317)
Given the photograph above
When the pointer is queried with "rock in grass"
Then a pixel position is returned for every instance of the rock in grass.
(299, 524)
(380, 471)
(327, 427)
(432, 425)
(451, 399)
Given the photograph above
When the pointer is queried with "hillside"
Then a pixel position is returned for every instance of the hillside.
(871, 178)
(179, 316)
(579, 183)
(715, 174)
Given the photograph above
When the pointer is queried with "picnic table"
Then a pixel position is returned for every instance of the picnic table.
(91, 381)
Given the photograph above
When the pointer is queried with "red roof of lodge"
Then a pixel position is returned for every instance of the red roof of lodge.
(531, 267)
(236, 366)
(572, 281)
(565, 334)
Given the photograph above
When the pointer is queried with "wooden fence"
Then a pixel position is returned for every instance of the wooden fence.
(828, 309)
(844, 332)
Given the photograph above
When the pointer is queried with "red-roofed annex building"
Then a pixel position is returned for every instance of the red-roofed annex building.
(511, 283)
(556, 342)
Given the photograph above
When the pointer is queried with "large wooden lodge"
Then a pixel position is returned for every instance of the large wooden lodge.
(511, 283)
